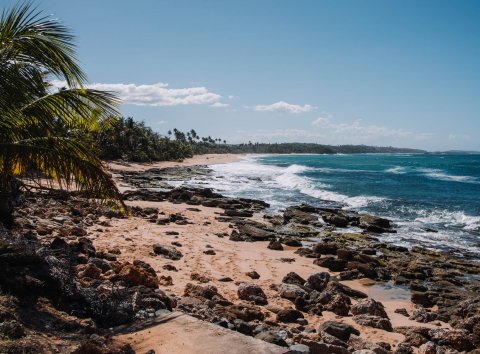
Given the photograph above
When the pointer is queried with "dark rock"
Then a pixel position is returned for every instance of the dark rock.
(325, 248)
(289, 315)
(243, 327)
(207, 292)
(358, 343)
(253, 274)
(243, 311)
(318, 281)
(291, 291)
(337, 220)
(333, 264)
(209, 252)
(293, 278)
(271, 337)
(339, 305)
(275, 245)
(374, 321)
(291, 242)
(252, 292)
(337, 287)
(340, 330)
(369, 307)
(167, 252)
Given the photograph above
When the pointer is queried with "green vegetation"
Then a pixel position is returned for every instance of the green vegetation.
(40, 128)
(133, 141)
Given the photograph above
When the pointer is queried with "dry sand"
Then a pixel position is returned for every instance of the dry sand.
(135, 238)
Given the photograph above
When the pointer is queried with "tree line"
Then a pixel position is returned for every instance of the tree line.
(132, 140)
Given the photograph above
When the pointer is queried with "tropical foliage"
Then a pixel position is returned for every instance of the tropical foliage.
(39, 125)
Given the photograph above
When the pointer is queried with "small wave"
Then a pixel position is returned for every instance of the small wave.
(442, 176)
(396, 170)
(450, 218)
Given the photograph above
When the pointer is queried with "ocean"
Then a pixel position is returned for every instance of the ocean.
(416, 191)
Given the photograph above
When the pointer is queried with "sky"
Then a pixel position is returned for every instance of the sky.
(400, 73)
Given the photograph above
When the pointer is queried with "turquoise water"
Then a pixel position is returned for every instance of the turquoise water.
(417, 191)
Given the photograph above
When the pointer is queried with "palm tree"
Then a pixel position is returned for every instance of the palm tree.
(38, 124)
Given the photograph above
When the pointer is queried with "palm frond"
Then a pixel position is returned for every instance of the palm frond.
(63, 160)
(27, 35)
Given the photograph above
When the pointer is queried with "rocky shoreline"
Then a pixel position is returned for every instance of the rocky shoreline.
(54, 261)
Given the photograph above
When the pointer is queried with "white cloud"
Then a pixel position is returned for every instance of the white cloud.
(157, 94)
(356, 131)
(160, 122)
(284, 106)
(219, 105)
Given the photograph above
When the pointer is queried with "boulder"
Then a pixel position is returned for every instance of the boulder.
(139, 273)
(369, 307)
(332, 263)
(291, 291)
(339, 305)
(318, 281)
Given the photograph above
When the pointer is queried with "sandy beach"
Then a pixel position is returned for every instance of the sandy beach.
(135, 236)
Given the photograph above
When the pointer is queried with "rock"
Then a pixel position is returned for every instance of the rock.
(374, 321)
(244, 312)
(345, 254)
(359, 344)
(423, 316)
(402, 311)
(253, 274)
(332, 263)
(364, 351)
(209, 252)
(318, 281)
(199, 277)
(139, 273)
(271, 337)
(167, 252)
(243, 327)
(291, 291)
(252, 292)
(289, 315)
(367, 221)
(275, 245)
(292, 242)
(240, 213)
(338, 220)
(100, 263)
(12, 329)
(428, 348)
(90, 271)
(329, 339)
(299, 349)
(458, 339)
(293, 278)
(207, 292)
(225, 279)
(415, 336)
(369, 307)
(323, 348)
(169, 267)
(165, 280)
(325, 248)
(339, 305)
(292, 213)
(404, 348)
(340, 330)
(255, 233)
(337, 287)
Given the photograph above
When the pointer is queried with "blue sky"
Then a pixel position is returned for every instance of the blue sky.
(402, 73)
